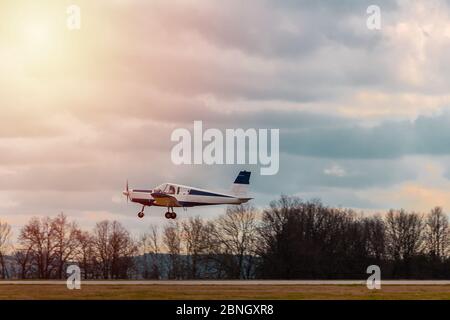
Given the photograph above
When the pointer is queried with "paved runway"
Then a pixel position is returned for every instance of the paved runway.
(227, 282)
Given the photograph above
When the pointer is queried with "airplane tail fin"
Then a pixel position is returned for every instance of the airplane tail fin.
(241, 184)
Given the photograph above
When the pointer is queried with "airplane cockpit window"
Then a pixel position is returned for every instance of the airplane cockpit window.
(165, 188)
(171, 190)
(161, 188)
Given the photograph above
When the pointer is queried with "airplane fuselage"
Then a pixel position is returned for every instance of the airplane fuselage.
(171, 195)
(187, 197)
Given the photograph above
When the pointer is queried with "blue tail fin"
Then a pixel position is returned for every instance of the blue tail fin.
(241, 184)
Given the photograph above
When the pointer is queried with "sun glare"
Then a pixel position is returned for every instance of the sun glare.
(34, 31)
(37, 36)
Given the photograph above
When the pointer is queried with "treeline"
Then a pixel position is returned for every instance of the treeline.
(191, 249)
(292, 239)
(307, 240)
(46, 246)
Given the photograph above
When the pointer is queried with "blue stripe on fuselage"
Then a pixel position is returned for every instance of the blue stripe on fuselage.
(195, 204)
(195, 192)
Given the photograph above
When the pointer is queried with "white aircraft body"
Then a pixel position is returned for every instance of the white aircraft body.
(172, 195)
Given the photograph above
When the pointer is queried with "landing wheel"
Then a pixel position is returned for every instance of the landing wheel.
(168, 215)
(173, 215)
(141, 214)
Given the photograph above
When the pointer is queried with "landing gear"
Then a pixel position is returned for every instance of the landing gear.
(170, 215)
(141, 213)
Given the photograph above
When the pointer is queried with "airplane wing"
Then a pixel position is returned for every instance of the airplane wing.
(244, 200)
(165, 200)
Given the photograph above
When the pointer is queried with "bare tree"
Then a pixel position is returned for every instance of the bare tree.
(172, 238)
(404, 234)
(195, 236)
(5, 236)
(437, 233)
(236, 234)
(404, 241)
(102, 249)
(46, 245)
(374, 230)
(66, 235)
(37, 240)
(114, 249)
(23, 258)
(85, 254)
(150, 248)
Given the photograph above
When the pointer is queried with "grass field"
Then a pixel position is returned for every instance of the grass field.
(208, 292)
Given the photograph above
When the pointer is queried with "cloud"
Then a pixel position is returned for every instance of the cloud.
(335, 170)
(355, 108)
(390, 139)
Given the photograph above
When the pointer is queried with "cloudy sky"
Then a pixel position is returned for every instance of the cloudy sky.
(363, 114)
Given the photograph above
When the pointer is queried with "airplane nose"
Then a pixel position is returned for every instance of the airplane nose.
(127, 194)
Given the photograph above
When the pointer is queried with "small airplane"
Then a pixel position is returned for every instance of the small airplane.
(172, 195)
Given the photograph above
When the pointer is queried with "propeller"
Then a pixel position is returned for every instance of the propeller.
(127, 192)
